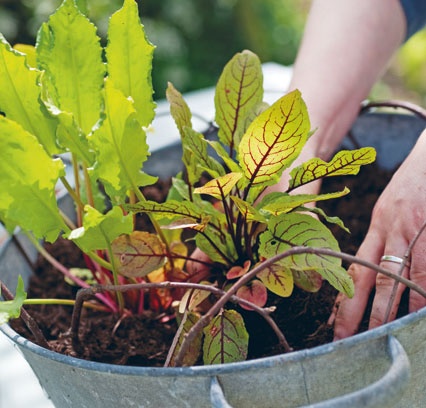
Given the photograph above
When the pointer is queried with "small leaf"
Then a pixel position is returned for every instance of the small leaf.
(217, 245)
(196, 157)
(170, 209)
(280, 203)
(238, 91)
(179, 109)
(331, 220)
(277, 279)
(99, 230)
(83, 274)
(129, 57)
(192, 299)
(11, 309)
(226, 339)
(195, 347)
(221, 152)
(346, 162)
(249, 212)
(274, 140)
(237, 271)
(255, 292)
(138, 253)
(219, 187)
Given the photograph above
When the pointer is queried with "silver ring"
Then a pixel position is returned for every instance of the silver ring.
(392, 258)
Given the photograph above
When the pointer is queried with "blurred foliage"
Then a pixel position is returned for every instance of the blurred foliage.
(195, 38)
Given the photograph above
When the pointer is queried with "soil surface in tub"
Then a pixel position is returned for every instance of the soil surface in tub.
(145, 340)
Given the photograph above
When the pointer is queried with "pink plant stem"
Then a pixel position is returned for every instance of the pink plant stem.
(65, 271)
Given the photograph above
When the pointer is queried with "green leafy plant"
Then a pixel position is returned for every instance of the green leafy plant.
(71, 99)
(237, 223)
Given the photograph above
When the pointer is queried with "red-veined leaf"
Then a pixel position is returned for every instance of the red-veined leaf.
(226, 339)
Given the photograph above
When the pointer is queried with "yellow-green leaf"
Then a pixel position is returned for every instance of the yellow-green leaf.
(219, 187)
(277, 279)
(129, 57)
(11, 309)
(99, 230)
(20, 97)
(196, 157)
(226, 339)
(139, 253)
(195, 347)
(27, 184)
(120, 145)
(345, 162)
(69, 52)
(238, 91)
(249, 212)
(30, 53)
(179, 109)
(288, 230)
(274, 140)
(283, 202)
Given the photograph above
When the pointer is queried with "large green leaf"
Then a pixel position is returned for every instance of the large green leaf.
(69, 51)
(120, 145)
(288, 230)
(129, 55)
(238, 91)
(20, 97)
(345, 162)
(225, 339)
(27, 183)
(11, 309)
(274, 140)
(99, 230)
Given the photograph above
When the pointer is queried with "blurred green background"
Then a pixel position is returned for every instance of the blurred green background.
(195, 38)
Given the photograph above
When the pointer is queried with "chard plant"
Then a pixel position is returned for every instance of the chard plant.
(70, 99)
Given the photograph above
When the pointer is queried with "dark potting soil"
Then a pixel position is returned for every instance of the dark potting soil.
(145, 340)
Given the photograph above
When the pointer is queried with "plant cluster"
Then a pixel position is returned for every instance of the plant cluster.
(68, 98)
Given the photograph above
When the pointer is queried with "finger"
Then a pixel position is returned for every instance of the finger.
(386, 303)
(350, 311)
(417, 274)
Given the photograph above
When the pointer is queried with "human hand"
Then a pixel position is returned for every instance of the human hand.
(397, 218)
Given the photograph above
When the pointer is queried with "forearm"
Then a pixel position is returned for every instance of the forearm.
(346, 47)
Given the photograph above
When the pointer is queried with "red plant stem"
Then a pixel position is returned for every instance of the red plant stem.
(61, 268)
